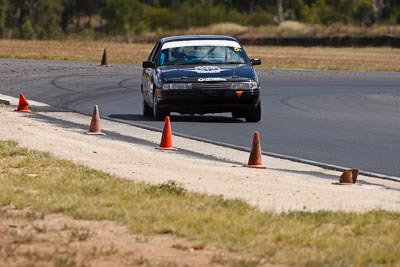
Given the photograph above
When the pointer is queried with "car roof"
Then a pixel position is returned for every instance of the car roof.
(197, 37)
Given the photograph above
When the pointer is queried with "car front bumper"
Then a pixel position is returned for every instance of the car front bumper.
(193, 101)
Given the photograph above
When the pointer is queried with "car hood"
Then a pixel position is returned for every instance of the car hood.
(191, 73)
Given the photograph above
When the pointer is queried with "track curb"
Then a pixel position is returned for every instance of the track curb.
(14, 101)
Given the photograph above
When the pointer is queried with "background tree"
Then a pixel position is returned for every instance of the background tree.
(392, 12)
(68, 14)
(4, 10)
(281, 18)
(122, 15)
(53, 18)
(46, 16)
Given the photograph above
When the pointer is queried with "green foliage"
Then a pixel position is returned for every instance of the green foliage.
(87, 34)
(4, 11)
(53, 18)
(357, 12)
(47, 18)
(169, 187)
(362, 12)
(393, 12)
(141, 27)
(27, 31)
(198, 15)
(122, 15)
(259, 18)
(159, 19)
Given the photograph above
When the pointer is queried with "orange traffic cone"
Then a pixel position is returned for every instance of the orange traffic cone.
(23, 104)
(349, 176)
(104, 61)
(95, 123)
(166, 140)
(255, 160)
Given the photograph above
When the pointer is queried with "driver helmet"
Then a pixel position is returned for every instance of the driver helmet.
(177, 52)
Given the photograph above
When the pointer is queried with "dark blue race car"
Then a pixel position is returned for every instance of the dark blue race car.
(198, 74)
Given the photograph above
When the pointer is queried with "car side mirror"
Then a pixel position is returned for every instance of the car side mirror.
(255, 61)
(148, 64)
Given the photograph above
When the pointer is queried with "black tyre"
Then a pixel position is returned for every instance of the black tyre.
(254, 114)
(147, 111)
(159, 114)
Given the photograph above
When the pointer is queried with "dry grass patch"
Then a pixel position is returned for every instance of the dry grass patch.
(297, 29)
(362, 59)
(75, 50)
(286, 29)
(49, 185)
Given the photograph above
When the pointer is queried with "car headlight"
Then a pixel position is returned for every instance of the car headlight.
(177, 86)
(244, 85)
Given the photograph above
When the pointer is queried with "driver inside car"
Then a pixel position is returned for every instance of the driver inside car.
(177, 55)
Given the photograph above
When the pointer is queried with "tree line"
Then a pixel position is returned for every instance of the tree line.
(49, 19)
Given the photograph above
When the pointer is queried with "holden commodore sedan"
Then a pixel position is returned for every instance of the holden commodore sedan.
(199, 74)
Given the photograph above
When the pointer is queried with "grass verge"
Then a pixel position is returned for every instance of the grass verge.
(360, 59)
(47, 184)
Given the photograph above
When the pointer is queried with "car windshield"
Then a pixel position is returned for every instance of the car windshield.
(208, 52)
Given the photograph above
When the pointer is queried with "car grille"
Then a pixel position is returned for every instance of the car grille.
(213, 85)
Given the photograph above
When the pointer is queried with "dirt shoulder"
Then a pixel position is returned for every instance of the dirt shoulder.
(283, 186)
(31, 238)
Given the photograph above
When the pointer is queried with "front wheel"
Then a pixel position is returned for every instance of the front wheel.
(159, 114)
(254, 114)
(147, 111)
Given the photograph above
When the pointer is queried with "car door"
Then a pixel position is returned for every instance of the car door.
(148, 74)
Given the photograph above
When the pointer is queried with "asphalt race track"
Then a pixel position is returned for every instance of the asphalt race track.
(349, 119)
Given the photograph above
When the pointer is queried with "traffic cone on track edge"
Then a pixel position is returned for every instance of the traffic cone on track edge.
(349, 177)
(104, 61)
(23, 104)
(166, 139)
(255, 160)
(95, 128)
